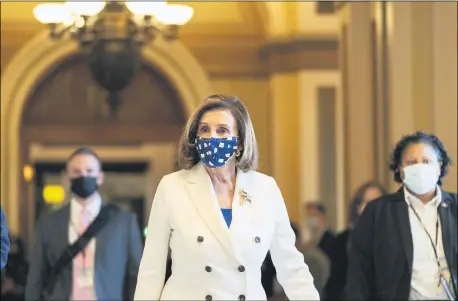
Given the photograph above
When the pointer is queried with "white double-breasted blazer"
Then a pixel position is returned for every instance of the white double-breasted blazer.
(209, 260)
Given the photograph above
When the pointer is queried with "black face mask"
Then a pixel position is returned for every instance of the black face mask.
(84, 187)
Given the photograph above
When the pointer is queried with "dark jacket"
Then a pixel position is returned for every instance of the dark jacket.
(335, 288)
(381, 248)
(326, 243)
(5, 242)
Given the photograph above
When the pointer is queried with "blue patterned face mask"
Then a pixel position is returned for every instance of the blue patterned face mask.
(215, 152)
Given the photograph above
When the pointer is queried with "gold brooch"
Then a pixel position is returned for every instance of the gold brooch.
(244, 197)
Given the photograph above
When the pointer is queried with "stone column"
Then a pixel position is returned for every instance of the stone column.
(444, 54)
(285, 138)
(358, 95)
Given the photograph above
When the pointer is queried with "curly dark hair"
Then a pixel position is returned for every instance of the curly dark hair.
(358, 199)
(415, 138)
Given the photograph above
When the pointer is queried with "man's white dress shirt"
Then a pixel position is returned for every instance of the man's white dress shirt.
(93, 207)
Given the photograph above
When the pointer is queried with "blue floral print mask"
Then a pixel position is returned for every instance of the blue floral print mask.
(215, 152)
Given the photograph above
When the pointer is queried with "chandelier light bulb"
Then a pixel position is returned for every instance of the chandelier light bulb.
(175, 14)
(89, 22)
(52, 13)
(88, 9)
(145, 8)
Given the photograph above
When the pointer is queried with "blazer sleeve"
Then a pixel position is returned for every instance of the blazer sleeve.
(292, 272)
(38, 264)
(360, 273)
(135, 254)
(150, 281)
(5, 242)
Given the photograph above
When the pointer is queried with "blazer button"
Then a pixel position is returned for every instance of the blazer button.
(257, 239)
(200, 239)
(208, 298)
(242, 298)
(208, 269)
(241, 268)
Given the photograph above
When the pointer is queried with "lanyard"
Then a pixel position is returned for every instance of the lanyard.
(434, 245)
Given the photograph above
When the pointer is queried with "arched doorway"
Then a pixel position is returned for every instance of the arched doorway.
(41, 55)
(66, 106)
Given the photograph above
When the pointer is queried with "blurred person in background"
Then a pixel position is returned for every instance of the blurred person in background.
(106, 269)
(5, 242)
(15, 273)
(318, 228)
(219, 217)
(404, 247)
(335, 288)
(315, 259)
(268, 276)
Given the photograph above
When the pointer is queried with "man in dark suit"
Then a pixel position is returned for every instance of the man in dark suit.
(108, 274)
(5, 242)
(405, 245)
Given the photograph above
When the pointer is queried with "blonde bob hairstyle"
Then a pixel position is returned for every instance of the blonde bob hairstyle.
(247, 146)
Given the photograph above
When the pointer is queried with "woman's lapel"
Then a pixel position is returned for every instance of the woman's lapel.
(202, 194)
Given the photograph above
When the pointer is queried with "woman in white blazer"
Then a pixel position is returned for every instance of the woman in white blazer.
(219, 217)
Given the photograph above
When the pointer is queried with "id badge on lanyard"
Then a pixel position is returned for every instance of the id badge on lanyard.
(442, 280)
(447, 288)
(85, 278)
(85, 274)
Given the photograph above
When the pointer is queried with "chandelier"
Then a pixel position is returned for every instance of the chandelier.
(112, 33)
(137, 21)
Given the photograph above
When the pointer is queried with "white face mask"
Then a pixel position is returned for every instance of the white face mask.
(421, 178)
(312, 223)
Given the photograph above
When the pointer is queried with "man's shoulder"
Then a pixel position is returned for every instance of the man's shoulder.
(449, 196)
(124, 217)
(53, 215)
(121, 213)
(3, 217)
